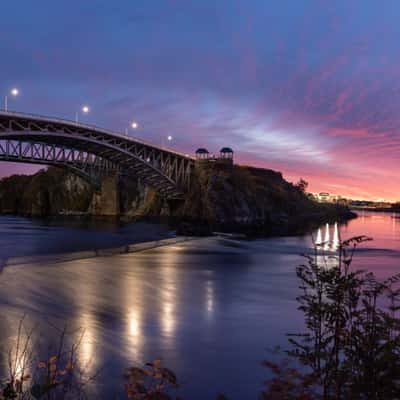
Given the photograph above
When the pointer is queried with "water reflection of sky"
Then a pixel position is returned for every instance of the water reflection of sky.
(210, 309)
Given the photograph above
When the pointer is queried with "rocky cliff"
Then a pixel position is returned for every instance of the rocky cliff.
(57, 192)
(253, 200)
(50, 192)
(220, 197)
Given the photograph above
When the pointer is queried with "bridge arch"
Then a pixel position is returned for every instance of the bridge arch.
(90, 151)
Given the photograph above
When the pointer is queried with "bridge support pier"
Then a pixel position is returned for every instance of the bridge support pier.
(107, 201)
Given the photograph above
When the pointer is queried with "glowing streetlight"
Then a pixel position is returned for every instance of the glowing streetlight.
(169, 139)
(14, 92)
(133, 125)
(84, 110)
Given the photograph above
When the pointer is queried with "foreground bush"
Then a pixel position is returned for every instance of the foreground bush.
(351, 346)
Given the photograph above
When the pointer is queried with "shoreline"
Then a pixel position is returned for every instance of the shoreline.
(301, 225)
(383, 210)
(86, 254)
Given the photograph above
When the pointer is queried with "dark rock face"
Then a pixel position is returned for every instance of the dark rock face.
(226, 198)
(50, 192)
(252, 201)
(134, 197)
(106, 202)
(243, 195)
(57, 192)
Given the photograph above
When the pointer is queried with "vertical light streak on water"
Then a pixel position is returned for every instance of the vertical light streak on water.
(336, 239)
(87, 342)
(319, 237)
(327, 238)
(169, 297)
(210, 297)
(133, 294)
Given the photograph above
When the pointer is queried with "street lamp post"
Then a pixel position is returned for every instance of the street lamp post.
(14, 92)
(84, 110)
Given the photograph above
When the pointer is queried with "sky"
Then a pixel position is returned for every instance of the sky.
(308, 87)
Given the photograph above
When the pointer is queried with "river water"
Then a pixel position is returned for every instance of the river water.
(211, 309)
(22, 236)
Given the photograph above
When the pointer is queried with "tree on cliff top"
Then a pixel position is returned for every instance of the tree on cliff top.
(302, 185)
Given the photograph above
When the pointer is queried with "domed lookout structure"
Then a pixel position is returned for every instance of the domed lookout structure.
(226, 153)
(202, 154)
(225, 157)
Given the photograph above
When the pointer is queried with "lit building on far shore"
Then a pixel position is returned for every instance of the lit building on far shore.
(366, 204)
(324, 197)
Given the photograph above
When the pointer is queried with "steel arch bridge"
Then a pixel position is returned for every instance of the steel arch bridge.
(91, 152)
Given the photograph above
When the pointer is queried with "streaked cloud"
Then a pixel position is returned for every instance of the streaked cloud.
(307, 87)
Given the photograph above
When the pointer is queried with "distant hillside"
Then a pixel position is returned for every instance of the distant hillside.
(220, 197)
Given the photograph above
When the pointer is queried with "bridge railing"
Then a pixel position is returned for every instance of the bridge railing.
(92, 128)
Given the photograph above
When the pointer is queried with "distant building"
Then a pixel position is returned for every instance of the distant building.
(370, 204)
(323, 197)
(343, 201)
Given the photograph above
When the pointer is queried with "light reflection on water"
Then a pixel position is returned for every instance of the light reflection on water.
(87, 342)
(326, 251)
(209, 308)
(210, 297)
(331, 240)
(168, 299)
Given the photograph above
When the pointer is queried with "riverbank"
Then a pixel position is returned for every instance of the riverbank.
(58, 237)
(281, 224)
(383, 209)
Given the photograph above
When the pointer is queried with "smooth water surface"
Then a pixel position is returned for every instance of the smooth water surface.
(23, 236)
(211, 308)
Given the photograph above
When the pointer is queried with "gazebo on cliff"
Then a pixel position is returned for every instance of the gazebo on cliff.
(224, 158)
(202, 154)
(226, 153)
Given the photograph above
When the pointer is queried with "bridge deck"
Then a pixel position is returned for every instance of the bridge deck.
(55, 141)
